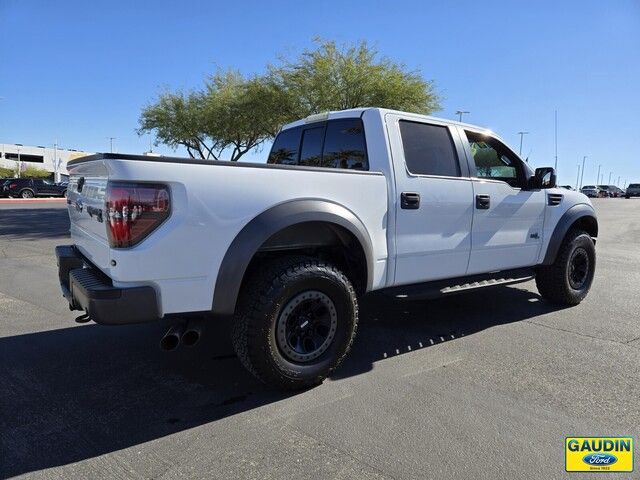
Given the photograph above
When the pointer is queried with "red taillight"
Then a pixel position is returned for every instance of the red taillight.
(134, 210)
(13, 185)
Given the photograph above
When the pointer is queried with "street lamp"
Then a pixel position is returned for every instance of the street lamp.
(610, 173)
(460, 113)
(19, 164)
(111, 139)
(598, 179)
(522, 134)
(578, 177)
(582, 174)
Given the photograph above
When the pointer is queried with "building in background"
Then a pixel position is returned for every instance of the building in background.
(50, 159)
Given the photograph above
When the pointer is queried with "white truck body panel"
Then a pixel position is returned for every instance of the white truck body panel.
(210, 204)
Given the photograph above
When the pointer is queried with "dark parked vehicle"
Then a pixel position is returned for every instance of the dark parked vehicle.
(32, 187)
(611, 191)
(591, 191)
(633, 190)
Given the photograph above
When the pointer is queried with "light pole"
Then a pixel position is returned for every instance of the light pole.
(556, 138)
(598, 179)
(578, 177)
(582, 174)
(522, 134)
(460, 113)
(19, 163)
(56, 177)
(111, 139)
(618, 183)
(610, 173)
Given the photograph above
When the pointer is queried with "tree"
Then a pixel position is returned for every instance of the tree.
(234, 114)
(338, 78)
(230, 113)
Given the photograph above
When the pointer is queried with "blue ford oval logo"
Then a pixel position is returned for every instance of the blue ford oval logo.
(599, 459)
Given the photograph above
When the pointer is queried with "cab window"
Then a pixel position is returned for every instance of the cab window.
(496, 161)
(285, 147)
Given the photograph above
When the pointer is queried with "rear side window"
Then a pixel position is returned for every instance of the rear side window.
(334, 144)
(429, 149)
(634, 185)
(285, 147)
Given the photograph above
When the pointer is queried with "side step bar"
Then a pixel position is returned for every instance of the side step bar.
(451, 286)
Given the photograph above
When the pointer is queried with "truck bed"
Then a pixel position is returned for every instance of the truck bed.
(211, 201)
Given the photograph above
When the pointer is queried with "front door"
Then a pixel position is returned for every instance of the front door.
(508, 218)
(434, 204)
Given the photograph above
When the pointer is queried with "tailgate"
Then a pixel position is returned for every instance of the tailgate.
(86, 205)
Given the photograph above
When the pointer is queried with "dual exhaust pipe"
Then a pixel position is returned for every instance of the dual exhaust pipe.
(186, 333)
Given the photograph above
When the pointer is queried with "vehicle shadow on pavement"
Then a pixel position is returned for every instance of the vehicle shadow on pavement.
(34, 223)
(76, 393)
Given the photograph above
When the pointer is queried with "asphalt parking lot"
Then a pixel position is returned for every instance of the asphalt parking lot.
(484, 385)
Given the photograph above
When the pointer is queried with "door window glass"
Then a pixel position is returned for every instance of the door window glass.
(494, 160)
(429, 149)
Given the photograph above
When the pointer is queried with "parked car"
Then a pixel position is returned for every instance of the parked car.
(349, 202)
(591, 191)
(567, 187)
(32, 187)
(633, 190)
(3, 182)
(610, 191)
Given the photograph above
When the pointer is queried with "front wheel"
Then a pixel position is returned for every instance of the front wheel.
(568, 280)
(295, 322)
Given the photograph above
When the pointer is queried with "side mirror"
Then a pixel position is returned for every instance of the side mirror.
(544, 177)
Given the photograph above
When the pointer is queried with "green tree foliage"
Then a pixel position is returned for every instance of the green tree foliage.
(28, 172)
(337, 78)
(232, 113)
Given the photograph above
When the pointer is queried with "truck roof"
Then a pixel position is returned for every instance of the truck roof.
(358, 112)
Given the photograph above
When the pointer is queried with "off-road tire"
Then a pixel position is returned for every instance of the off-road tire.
(264, 296)
(553, 280)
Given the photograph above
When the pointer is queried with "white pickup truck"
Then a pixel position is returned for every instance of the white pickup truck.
(349, 202)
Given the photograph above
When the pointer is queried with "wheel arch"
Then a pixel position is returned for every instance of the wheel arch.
(579, 216)
(288, 227)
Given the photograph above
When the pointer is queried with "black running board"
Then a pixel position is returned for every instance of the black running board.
(451, 286)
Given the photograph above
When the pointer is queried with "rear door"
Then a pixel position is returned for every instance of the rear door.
(508, 218)
(434, 207)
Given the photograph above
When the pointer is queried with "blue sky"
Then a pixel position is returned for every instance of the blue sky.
(80, 71)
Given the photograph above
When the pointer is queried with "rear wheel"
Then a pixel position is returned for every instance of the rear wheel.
(568, 280)
(295, 322)
(26, 194)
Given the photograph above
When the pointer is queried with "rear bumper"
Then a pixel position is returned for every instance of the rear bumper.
(87, 288)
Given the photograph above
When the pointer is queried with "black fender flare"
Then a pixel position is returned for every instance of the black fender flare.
(571, 216)
(255, 233)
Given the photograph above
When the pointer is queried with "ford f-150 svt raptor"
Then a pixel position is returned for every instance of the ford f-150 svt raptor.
(348, 202)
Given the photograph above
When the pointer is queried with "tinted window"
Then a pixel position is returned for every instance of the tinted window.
(344, 145)
(428, 149)
(311, 150)
(494, 160)
(285, 147)
(634, 185)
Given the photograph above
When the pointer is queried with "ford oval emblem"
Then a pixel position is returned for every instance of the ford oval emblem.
(602, 459)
